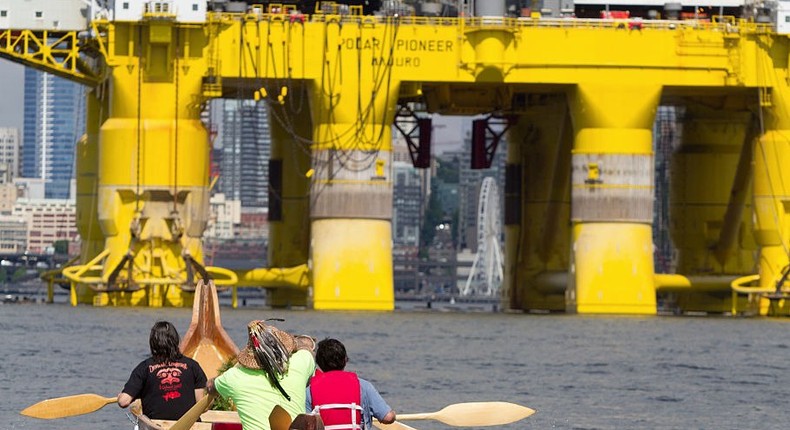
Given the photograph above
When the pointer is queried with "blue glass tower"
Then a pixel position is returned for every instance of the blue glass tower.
(54, 119)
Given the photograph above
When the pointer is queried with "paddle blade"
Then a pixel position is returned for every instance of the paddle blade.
(279, 419)
(475, 414)
(394, 426)
(68, 406)
(191, 416)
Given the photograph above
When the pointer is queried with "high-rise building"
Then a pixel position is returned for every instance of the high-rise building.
(409, 195)
(406, 204)
(9, 154)
(9, 168)
(242, 150)
(54, 119)
(446, 188)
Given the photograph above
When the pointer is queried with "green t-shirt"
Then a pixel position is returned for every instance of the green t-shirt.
(255, 397)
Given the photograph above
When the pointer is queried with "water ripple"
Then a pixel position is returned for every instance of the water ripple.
(578, 372)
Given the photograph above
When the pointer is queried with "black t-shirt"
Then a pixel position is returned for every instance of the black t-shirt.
(167, 389)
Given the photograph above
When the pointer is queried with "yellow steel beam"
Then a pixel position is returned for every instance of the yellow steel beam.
(430, 50)
(466, 51)
(56, 52)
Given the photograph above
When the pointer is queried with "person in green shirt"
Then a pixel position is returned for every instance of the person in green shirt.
(273, 369)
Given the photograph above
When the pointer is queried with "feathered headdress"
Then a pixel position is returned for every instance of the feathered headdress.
(268, 349)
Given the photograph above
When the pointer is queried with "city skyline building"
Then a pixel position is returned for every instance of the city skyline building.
(448, 190)
(410, 195)
(8, 196)
(13, 234)
(225, 215)
(54, 119)
(242, 149)
(406, 204)
(29, 188)
(9, 154)
(49, 221)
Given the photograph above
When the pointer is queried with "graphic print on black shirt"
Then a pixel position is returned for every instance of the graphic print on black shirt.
(169, 375)
(167, 390)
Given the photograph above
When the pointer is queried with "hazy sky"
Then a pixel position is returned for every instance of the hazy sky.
(12, 79)
(449, 132)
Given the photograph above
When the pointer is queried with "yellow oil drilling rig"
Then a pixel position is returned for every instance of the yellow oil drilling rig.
(574, 97)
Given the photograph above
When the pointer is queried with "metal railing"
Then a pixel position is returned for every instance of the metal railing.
(724, 23)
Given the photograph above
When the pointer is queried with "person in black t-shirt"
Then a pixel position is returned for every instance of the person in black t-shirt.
(167, 383)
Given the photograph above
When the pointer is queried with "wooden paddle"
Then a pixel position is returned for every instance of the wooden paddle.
(394, 426)
(279, 419)
(68, 406)
(191, 416)
(475, 414)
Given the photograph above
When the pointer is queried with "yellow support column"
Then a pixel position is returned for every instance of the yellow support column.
(351, 211)
(153, 162)
(351, 197)
(514, 185)
(767, 291)
(352, 264)
(612, 198)
(772, 207)
(351, 234)
(538, 205)
(289, 200)
(710, 203)
(87, 201)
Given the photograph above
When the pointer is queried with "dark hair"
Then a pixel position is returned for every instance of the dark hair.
(331, 355)
(164, 342)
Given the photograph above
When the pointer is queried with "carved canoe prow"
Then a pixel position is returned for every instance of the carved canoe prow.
(206, 341)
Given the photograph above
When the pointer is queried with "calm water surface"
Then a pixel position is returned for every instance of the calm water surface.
(579, 372)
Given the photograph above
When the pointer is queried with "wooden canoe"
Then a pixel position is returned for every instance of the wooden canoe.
(206, 341)
(227, 420)
(210, 420)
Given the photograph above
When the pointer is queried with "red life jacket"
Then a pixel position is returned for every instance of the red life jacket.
(338, 398)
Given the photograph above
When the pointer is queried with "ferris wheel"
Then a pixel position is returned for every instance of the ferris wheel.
(486, 276)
